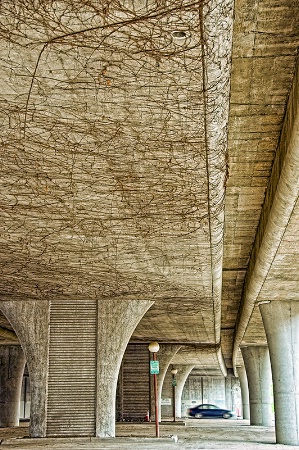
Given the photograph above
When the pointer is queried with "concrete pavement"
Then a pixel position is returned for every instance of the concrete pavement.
(194, 435)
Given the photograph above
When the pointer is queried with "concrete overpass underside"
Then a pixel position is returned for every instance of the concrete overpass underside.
(149, 192)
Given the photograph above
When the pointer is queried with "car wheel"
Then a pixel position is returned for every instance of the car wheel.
(226, 416)
(198, 416)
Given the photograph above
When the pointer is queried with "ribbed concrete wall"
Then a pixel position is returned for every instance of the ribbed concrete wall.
(221, 391)
(72, 368)
(133, 393)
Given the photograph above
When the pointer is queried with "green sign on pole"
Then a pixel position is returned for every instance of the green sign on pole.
(174, 382)
(154, 367)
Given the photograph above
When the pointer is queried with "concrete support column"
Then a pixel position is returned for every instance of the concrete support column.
(164, 356)
(232, 392)
(167, 393)
(244, 392)
(281, 321)
(30, 320)
(12, 363)
(181, 377)
(117, 320)
(229, 380)
(258, 369)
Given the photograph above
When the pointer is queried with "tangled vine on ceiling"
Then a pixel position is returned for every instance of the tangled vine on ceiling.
(114, 139)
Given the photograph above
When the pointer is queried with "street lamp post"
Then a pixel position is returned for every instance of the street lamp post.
(154, 370)
(174, 372)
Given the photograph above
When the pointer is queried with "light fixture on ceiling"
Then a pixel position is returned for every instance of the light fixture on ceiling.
(179, 34)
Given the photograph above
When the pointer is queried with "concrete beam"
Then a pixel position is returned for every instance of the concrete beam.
(8, 335)
(281, 197)
(216, 120)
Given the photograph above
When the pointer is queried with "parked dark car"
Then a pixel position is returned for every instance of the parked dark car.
(208, 410)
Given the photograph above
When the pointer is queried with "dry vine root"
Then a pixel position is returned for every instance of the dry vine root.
(113, 147)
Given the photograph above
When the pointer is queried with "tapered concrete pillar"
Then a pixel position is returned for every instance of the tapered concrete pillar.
(164, 356)
(258, 369)
(30, 320)
(281, 321)
(12, 363)
(116, 323)
(244, 392)
(172, 389)
(74, 350)
(229, 382)
(181, 377)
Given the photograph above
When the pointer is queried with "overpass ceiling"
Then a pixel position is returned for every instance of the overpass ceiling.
(126, 129)
(283, 277)
(205, 360)
(265, 43)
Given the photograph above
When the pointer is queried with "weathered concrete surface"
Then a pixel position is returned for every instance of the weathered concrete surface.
(109, 221)
(265, 47)
(135, 209)
(115, 169)
(273, 272)
(281, 320)
(12, 363)
(30, 320)
(245, 392)
(258, 369)
(117, 321)
(164, 356)
(181, 377)
(197, 434)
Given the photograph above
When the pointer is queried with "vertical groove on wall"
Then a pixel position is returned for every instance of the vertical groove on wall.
(72, 368)
(135, 380)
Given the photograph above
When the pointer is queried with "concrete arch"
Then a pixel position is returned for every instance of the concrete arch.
(30, 320)
(124, 317)
(165, 355)
(182, 375)
(12, 363)
(55, 343)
